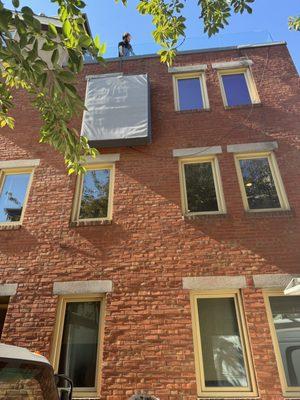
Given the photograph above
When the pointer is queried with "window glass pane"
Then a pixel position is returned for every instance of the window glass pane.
(94, 201)
(200, 187)
(223, 359)
(12, 196)
(3, 311)
(79, 346)
(236, 89)
(259, 184)
(286, 318)
(190, 96)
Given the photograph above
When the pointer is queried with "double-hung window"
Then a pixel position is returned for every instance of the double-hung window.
(76, 347)
(190, 92)
(14, 190)
(260, 182)
(201, 187)
(284, 318)
(223, 362)
(238, 87)
(94, 192)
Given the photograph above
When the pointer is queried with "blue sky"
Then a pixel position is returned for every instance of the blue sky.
(109, 20)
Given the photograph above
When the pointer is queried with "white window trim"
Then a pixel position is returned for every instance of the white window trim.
(217, 182)
(288, 391)
(17, 171)
(253, 93)
(221, 392)
(284, 204)
(79, 190)
(204, 94)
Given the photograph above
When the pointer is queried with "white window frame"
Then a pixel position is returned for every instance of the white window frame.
(58, 334)
(253, 93)
(217, 183)
(282, 197)
(17, 171)
(202, 79)
(222, 392)
(288, 391)
(79, 192)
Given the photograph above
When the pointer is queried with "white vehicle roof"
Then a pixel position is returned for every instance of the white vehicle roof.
(20, 353)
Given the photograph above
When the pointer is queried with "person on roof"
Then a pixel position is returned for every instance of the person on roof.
(125, 48)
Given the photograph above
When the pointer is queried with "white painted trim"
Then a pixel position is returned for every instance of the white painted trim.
(187, 68)
(269, 281)
(19, 163)
(232, 64)
(252, 147)
(102, 158)
(82, 287)
(214, 282)
(197, 151)
(114, 74)
(8, 289)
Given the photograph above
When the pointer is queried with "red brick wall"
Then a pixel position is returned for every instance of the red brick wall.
(149, 247)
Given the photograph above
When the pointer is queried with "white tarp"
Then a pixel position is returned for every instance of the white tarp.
(117, 109)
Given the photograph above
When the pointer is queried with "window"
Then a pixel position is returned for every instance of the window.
(222, 355)
(76, 351)
(201, 186)
(3, 310)
(261, 185)
(190, 92)
(93, 198)
(238, 87)
(284, 318)
(14, 190)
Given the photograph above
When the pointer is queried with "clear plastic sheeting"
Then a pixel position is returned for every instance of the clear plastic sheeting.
(118, 110)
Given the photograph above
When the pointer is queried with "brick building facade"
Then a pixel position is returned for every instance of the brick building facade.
(139, 263)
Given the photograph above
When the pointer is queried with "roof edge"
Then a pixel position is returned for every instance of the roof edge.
(208, 50)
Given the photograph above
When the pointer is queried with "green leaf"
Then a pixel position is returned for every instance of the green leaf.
(67, 28)
(16, 3)
(27, 10)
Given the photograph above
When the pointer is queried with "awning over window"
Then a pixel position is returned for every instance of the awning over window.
(118, 110)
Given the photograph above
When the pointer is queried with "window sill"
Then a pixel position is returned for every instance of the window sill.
(271, 213)
(253, 105)
(10, 227)
(75, 224)
(204, 216)
(198, 110)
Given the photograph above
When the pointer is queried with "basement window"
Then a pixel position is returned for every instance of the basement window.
(238, 87)
(190, 92)
(284, 318)
(93, 198)
(77, 341)
(260, 182)
(14, 190)
(223, 361)
(201, 186)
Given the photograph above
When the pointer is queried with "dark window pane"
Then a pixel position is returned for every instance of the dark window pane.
(190, 96)
(200, 187)
(259, 184)
(94, 201)
(223, 359)
(286, 318)
(3, 310)
(79, 346)
(12, 197)
(236, 89)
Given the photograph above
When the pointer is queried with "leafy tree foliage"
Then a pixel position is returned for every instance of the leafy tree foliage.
(51, 87)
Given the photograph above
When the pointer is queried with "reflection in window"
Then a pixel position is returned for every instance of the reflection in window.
(95, 194)
(79, 347)
(190, 94)
(236, 89)
(286, 319)
(222, 349)
(12, 196)
(200, 187)
(259, 183)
